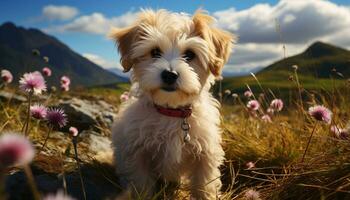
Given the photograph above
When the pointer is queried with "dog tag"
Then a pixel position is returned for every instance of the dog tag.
(185, 126)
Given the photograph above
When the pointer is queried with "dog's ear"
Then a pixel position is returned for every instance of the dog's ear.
(124, 39)
(220, 41)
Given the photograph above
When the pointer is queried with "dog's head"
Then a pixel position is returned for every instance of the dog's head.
(173, 56)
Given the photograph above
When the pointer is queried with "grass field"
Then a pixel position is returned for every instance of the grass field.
(264, 159)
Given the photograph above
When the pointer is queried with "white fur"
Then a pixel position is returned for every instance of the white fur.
(150, 146)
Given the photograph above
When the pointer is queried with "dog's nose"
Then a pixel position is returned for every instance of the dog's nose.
(169, 77)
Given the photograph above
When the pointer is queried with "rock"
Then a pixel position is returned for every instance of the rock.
(8, 96)
(96, 142)
(88, 114)
(99, 179)
(100, 182)
(17, 98)
(90, 145)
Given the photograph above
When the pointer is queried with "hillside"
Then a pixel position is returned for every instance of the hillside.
(17, 43)
(318, 61)
(315, 67)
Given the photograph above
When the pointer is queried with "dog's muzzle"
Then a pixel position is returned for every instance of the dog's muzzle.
(169, 79)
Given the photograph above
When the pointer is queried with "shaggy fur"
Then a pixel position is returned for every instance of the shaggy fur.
(149, 146)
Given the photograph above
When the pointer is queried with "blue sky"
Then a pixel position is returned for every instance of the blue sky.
(82, 25)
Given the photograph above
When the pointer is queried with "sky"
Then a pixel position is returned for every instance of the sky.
(261, 26)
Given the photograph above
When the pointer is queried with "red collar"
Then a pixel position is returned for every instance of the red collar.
(174, 112)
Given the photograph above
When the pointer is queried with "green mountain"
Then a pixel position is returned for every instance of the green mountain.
(315, 69)
(17, 44)
(318, 61)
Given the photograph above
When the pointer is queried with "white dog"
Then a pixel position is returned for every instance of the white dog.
(171, 130)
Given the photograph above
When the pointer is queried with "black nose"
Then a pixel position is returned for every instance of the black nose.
(169, 77)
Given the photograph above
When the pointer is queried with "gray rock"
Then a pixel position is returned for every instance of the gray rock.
(96, 142)
(87, 114)
(91, 144)
(99, 180)
(8, 96)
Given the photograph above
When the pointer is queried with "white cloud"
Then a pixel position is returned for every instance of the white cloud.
(341, 38)
(96, 23)
(107, 64)
(300, 21)
(54, 12)
(249, 56)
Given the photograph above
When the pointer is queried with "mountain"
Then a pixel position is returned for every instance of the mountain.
(318, 60)
(119, 73)
(315, 67)
(17, 44)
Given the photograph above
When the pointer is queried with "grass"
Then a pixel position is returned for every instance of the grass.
(280, 83)
(274, 148)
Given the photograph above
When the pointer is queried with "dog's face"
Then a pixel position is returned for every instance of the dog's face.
(173, 57)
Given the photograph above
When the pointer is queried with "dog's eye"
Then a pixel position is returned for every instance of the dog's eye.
(156, 53)
(189, 55)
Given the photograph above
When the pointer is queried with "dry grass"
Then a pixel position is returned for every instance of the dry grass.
(275, 148)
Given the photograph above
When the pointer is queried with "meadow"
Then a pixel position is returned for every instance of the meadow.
(283, 139)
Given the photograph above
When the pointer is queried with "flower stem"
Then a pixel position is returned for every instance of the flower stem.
(299, 91)
(47, 138)
(63, 176)
(31, 182)
(74, 140)
(27, 123)
(308, 143)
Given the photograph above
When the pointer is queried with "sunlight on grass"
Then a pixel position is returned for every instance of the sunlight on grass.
(264, 145)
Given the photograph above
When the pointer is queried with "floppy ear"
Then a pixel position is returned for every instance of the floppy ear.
(220, 41)
(124, 38)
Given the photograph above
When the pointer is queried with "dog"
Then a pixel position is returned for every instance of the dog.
(170, 129)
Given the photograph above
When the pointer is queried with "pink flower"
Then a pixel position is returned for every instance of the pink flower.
(56, 117)
(15, 150)
(251, 195)
(38, 111)
(340, 132)
(65, 80)
(253, 105)
(321, 113)
(47, 71)
(266, 118)
(124, 97)
(73, 131)
(270, 111)
(32, 82)
(277, 104)
(6, 76)
(250, 165)
(58, 196)
(248, 93)
(64, 87)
